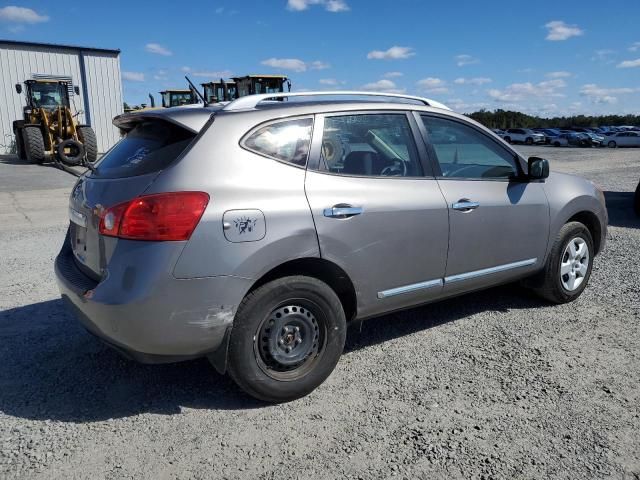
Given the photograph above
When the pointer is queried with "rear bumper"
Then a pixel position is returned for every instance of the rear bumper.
(146, 313)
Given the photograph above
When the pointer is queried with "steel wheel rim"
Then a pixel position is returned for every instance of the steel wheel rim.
(290, 340)
(574, 264)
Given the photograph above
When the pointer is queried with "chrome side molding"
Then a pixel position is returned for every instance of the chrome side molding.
(489, 271)
(392, 292)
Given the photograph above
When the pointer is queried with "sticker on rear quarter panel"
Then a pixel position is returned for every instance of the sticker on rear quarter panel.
(244, 225)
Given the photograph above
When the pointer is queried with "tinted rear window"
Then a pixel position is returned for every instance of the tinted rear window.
(149, 147)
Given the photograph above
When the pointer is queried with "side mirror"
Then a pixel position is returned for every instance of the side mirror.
(538, 168)
(18, 88)
(76, 89)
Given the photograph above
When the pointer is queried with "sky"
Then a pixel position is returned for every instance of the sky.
(539, 57)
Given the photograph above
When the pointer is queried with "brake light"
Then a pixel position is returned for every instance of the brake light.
(158, 217)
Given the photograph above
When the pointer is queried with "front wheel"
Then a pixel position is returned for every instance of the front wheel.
(87, 137)
(612, 144)
(529, 141)
(20, 146)
(568, 267)
(287, 338)
(507, 139)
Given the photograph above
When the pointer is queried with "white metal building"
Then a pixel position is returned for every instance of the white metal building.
(95, 70)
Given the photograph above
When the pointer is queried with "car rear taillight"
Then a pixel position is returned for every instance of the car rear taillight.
(158, 217)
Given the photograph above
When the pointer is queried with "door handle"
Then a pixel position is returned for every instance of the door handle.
(342, 211)
(465, 205)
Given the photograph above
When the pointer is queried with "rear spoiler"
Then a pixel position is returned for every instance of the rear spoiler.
(192, 119)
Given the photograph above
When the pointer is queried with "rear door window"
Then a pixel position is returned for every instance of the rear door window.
(149, 147)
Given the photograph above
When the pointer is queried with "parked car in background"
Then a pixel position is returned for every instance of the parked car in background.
(498, 132)
(623, 139)
(523, 135)
(251, 233)
(549, 134)
(572, 139)
(596, 140)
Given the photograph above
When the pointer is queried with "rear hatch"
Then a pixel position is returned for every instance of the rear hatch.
(151, 144)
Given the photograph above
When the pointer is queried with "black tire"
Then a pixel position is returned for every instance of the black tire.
(612, 144)
(529, 141)
(556, 144)
(20, 146)
(33, 144)
(636, 200)
(76, 152)
(87, 137)
(551, 287)
(507, 139)
(258, 330)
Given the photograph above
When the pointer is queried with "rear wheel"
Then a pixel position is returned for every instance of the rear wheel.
(556, 144)
(87, 137)
(20, 146)
(612, 144)
(33, 144)
(569, 264)
(287, 338)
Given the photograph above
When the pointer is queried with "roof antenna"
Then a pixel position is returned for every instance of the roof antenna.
(193, 88)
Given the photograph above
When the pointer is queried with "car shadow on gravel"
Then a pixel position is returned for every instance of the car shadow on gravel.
(620, 208)
(52, 369)
(381, 329)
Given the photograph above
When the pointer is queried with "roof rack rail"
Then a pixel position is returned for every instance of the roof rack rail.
(252, 101)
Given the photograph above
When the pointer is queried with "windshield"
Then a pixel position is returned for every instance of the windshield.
(47, 95)
(178, 99)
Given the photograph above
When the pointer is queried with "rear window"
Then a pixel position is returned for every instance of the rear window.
(148, 147)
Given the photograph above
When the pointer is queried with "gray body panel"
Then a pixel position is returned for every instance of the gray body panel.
(398, 240)
(407, 245)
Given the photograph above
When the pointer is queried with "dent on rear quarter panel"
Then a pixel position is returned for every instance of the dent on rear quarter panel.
(237, 179)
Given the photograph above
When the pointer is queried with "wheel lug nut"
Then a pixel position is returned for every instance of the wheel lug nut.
(297, 329)
(281, 342)
(298, 341)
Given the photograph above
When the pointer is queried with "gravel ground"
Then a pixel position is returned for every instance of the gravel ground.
(495, 384)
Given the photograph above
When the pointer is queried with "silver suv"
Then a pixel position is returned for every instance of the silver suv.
(253, 232)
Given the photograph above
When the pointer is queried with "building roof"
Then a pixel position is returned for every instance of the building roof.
(19, 43)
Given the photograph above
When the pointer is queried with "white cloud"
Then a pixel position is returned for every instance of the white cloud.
(334, 6)
(558, 30)
(393, 74)
(294, 64)
(13, 14)
(158, 49)
(394, 53)
(133, 76)
(433, 85)
(219, 10)
(464, 59)
(319, 65)
(629, 63)
(560, 74)
(160, 75)
(520, 91)
(603, 55)
(635, 46)
(384, 85)
(328, 81)
(604, 95)
(472, 81)
(213, 75)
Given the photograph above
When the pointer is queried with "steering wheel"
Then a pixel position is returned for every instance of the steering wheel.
(454, 173)
(398, 169)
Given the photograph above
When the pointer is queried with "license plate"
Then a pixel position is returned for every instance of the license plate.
(77, 217)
